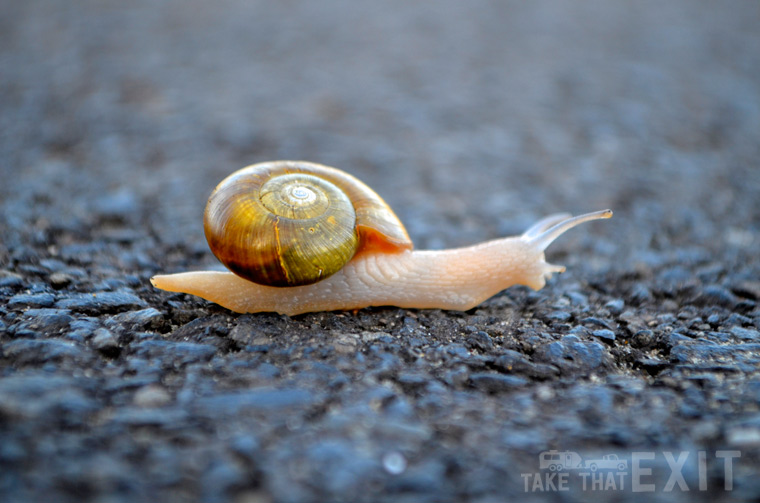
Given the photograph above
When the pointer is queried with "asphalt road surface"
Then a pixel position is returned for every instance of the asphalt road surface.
(473, 120)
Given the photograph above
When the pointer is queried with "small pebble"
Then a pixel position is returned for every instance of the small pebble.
(60, 280)
(479, 340)
(83, 328)
(641, 294)
(596, 321)
(496, 383)
(373, 336)
(151, 396)
(652, 364)
(34, 351)
(559, 316)
(746, 334)
(48, 321)
(52, 265)
(642, 339)
(10, 279)
(579, 331)
(345, 343)
(607, 335)
(104, 341)
(176, 353)
(577, 298)
(749, 289)
(118, 205)
(737, 319)
(573, 355)
(715, 295)
(149, 318)
(394, 463)
(615, 306)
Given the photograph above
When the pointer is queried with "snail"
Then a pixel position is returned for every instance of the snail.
(301, 237)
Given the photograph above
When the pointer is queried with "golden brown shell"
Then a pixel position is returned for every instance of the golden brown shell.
(288, 223)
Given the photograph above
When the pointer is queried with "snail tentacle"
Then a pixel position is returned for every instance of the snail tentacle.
(543, 239)
(545, 223)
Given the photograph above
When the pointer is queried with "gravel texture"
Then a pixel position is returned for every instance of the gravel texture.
(472, 119)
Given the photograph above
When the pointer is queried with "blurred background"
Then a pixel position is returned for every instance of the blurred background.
(472, 119)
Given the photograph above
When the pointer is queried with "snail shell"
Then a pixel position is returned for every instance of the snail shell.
(290, 223)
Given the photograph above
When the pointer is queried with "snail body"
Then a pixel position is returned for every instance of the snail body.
(370, 262)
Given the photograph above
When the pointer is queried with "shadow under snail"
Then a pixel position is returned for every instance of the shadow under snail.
(302, 237)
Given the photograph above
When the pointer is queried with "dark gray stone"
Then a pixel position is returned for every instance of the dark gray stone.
(412, 383)
(675, 338)
(151, 396)
(455, 350)
(737, 319)
(480, 341)
(139, 416)
(31, 300)
(82, 328)
(104, 341)
(641, 294)
(101, 302)
(749, 289)
(615, 306)
(121, 205)
(60, 280)
(652, 365)
(173, 353)
(606, 335)
(52, 265)
(700, 353)
(518, 363)
(48, 321)
(33, 351)
(572, 355)
(577, 299)
(496, 383)
(559, 316)
(746, 334)
(598, 322)
(36, 396)
(264, 399)
(10, 280)
(715, 295)
(643, 339)
(150, 318)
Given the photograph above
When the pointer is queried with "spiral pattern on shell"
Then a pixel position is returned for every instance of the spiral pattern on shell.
(290, 223)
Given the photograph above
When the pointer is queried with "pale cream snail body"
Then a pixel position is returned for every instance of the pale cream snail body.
(300, 237)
